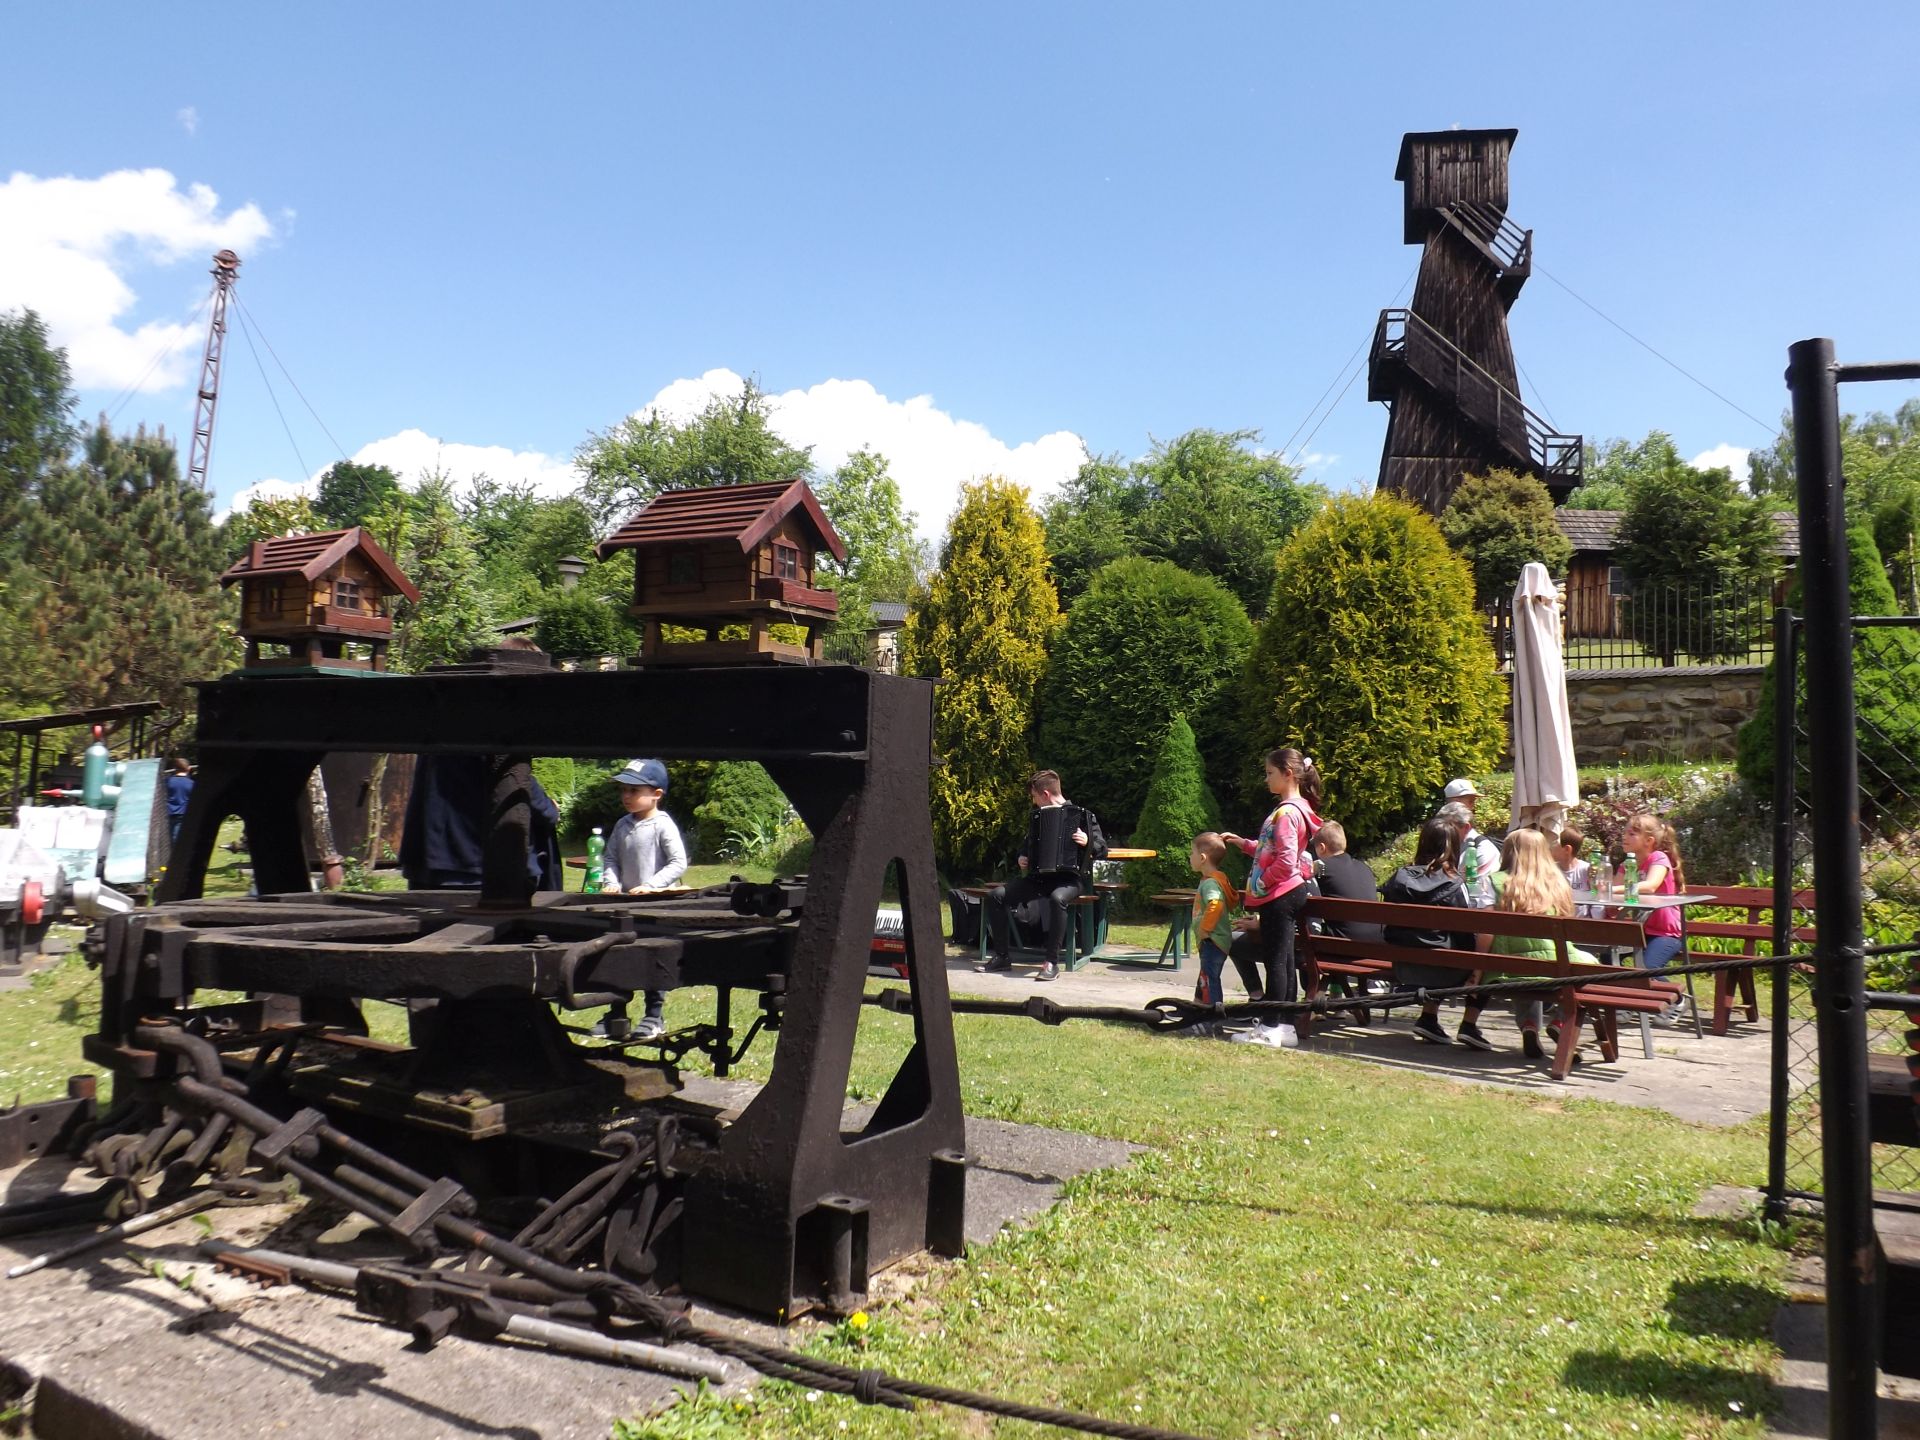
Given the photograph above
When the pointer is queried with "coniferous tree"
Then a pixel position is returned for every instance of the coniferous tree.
(1146, 641)
(117, 563)
(36, 411)
(982, 627)
(1178, 806)
(1375, 662)
(1501, 521)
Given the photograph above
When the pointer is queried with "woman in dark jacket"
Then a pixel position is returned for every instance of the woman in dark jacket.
(1433, 879)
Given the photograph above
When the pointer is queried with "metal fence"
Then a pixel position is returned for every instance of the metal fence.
(1609, 627)
(1886, 666)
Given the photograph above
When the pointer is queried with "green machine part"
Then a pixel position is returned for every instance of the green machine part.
(134, 850)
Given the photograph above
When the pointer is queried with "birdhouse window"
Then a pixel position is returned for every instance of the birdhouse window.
(786, 562)
(683, 568)
(267, 597)
(346, 593)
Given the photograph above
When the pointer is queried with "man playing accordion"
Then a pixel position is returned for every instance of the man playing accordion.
(1056, 864)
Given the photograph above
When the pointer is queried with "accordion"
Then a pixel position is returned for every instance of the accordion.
(1052, 846)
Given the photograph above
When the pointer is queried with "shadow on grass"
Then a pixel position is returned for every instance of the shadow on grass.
(1725, 1308)
(1713, 1389)
(1732, 1227)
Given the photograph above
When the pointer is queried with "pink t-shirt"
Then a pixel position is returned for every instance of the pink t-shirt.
(1665, 920)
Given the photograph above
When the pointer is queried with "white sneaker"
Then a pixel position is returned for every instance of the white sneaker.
(1274, 1037)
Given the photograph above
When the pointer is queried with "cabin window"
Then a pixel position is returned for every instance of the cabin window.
(683, 567)
(786, 562)
(267, 597)
(346, 593)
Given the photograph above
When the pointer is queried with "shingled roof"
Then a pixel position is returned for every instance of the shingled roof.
(1594, 531)
(745, 514)
(311, 556)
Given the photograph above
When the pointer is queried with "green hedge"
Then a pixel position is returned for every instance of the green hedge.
(1146, 642)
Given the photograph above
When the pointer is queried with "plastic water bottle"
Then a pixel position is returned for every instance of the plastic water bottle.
(596, 862)
(1470, 870)
(1633, 880)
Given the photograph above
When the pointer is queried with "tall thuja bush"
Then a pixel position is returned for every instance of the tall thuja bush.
(1146, 641)
(1374, 661)
(982, 626)
(1886, 691)
(1177, 807)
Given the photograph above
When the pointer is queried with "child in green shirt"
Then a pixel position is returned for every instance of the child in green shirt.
(1214, 902)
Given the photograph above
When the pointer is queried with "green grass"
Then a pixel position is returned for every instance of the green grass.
(1304, 1236)
(1308, 1235)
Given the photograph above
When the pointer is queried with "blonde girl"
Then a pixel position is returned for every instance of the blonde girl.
(1656, 850)
(1532, 885)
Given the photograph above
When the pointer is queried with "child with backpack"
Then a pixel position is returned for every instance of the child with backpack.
(1278, 886)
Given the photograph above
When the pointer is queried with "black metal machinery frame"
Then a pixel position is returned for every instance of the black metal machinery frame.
(783, 1211)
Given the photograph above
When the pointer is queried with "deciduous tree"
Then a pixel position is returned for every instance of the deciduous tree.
(1499, 522)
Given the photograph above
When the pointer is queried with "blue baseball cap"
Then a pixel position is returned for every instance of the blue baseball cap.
(650, 773)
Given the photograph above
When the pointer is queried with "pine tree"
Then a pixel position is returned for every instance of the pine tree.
(116, 562)
(1178, 806)
(982, 627)
(1499, 522)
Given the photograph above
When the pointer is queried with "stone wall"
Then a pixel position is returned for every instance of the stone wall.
(1679, 714)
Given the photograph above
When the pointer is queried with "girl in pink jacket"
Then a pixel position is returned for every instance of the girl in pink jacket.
(1277, 888)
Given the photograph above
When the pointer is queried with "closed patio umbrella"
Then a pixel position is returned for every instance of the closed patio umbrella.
(1545, 781)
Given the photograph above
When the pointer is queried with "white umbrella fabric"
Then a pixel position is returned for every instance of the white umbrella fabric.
(1545, 780)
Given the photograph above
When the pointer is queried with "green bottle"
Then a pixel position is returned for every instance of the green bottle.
(1633, 880)
(596, 862)
(1470, 869)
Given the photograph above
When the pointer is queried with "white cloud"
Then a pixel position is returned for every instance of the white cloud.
(189, 119)
(68, 246)
(930, 452)
(1724, 456)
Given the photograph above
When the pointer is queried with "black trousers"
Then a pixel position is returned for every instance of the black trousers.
(1279, 920)
(1060, 889)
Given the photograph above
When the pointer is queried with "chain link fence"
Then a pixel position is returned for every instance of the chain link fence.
(1886, 656)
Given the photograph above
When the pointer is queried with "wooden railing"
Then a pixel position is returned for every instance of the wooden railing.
(1402, 337)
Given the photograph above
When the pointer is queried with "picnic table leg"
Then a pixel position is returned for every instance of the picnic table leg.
(1646, 1036)
(1569, 1035)
(1606, 1029)
(1722, 1001)
(1747, 995)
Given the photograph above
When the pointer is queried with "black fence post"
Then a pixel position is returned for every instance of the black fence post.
(1786, 755)
(1853, 1291)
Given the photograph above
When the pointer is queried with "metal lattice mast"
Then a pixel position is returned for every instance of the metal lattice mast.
(226, 270)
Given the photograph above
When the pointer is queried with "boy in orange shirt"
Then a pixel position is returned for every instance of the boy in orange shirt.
(1214, 901)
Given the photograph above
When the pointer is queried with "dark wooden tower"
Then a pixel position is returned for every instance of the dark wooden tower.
(1445, 366)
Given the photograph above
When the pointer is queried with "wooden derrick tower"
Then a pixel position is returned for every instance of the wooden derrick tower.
(1444, 366)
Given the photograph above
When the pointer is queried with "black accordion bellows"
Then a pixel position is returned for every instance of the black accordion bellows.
(1053, 847)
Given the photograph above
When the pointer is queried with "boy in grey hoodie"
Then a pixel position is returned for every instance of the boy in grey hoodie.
(644, 853)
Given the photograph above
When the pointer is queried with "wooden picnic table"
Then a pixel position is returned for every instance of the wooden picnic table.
(1073, 956)
(1125, 852)
(1636, 911)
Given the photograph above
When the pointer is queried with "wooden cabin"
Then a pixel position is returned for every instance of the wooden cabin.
(710, 561)
(1596, 584)
(321, 602)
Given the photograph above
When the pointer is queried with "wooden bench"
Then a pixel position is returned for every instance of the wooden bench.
(1735, 988)
(1596, 993)
(1088, 913)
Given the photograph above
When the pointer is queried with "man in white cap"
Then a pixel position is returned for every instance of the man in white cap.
(1460, 800)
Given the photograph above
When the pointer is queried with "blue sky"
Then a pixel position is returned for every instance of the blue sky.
(1004, 230)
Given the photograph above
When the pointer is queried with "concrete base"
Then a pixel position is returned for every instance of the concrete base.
(147, 1341)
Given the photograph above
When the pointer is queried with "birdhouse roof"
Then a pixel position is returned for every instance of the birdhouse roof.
(745, 514)
(311, 556)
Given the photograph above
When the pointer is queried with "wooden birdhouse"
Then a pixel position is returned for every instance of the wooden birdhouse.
(709, 561)
(322, 602)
